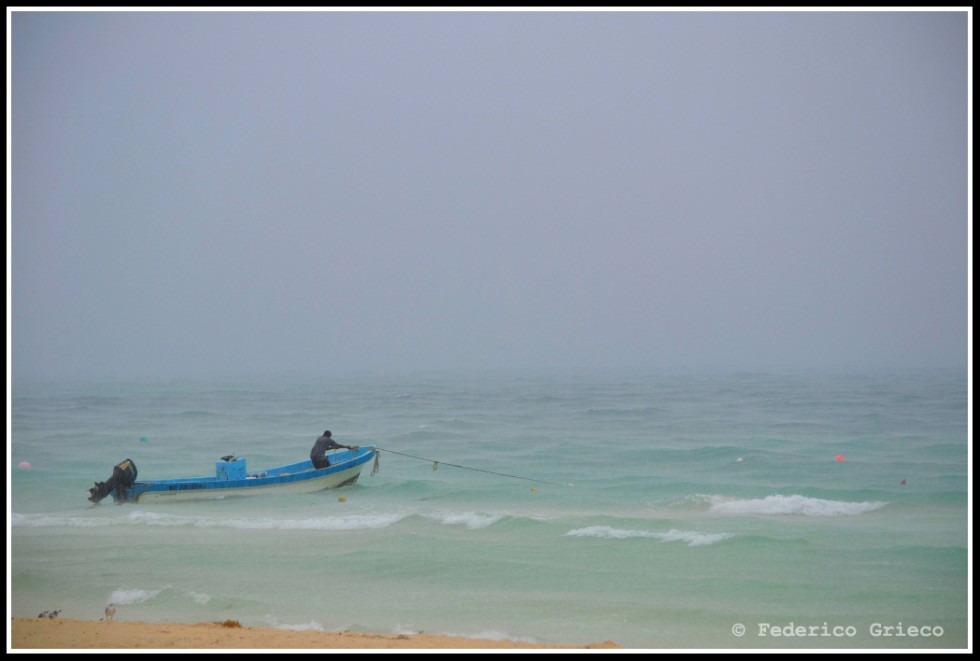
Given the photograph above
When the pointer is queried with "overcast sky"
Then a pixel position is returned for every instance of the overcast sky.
(198, 194)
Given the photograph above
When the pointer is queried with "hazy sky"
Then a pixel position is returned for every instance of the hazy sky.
(226, 193)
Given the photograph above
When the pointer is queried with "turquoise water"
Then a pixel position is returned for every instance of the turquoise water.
(659, 510)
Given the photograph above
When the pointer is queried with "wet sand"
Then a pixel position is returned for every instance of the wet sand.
(61, 633)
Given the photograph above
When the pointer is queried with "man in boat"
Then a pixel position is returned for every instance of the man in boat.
(318, 455)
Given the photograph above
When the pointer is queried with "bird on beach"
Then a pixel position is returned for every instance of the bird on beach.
(53, 614)
(110, 610)
(43, 614)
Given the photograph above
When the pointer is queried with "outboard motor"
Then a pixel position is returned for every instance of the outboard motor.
(123, 476)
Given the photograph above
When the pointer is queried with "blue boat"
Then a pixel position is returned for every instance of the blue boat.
(232, 479)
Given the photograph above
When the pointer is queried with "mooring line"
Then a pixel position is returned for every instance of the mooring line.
(435, 464)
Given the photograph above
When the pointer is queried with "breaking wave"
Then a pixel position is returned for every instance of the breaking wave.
(347, 522)
(130, 597)
(373, 521)
(472, 520)
(691, 538)
(790, 505)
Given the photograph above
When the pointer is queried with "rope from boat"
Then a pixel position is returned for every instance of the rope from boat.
(435, 465)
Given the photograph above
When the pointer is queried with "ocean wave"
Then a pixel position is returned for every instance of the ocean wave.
(133, 596)
(790, 505)
(347, 522)
(692, 538)
(486, 634)
(472, 520)
(55, 521)
(311, 626)
(129, 597)
(490, 634)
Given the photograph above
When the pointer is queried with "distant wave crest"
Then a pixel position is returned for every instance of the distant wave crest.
(790, 505)
(691, 538)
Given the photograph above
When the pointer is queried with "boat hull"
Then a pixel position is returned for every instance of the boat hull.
(300, 477)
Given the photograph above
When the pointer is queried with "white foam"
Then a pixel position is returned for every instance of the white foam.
(472, 520)
(156, 519)
(53, 521)
(405, 630)
(491, 634)
(690, 537)
(142, 517)
(129, 597)
(695, 538)
(791, 505)
(312, 626)
(349, 522)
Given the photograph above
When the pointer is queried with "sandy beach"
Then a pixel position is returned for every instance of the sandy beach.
(62, 633)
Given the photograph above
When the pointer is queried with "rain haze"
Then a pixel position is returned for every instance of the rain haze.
(227, 193)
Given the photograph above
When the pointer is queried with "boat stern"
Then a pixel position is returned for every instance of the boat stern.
(122, 478)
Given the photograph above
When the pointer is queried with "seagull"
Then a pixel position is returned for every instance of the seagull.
(110, 610)
(53, 614)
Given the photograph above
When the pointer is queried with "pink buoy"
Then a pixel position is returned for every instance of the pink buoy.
(24, 465)
(840, 457)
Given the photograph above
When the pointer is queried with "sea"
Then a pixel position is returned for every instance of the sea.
(657, 510)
